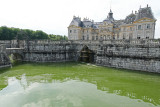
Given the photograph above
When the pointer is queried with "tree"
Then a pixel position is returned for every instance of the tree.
(21, 34)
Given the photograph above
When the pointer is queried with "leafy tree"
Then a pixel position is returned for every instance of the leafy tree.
(23, 34)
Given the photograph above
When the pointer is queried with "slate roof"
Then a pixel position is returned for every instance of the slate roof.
(96, 24)
(117, 23)
(144, 12)
(76, 22)
(130, 18)
(86, 23)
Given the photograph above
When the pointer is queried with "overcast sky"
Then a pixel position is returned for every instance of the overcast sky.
(54, 16)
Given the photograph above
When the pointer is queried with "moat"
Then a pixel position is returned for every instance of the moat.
(77, 85)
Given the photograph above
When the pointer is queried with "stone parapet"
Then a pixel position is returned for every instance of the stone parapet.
(128, 54)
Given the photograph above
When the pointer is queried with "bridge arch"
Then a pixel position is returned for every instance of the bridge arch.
(16, 57)
(15, 54)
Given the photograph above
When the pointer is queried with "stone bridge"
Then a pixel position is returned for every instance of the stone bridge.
(15, 53)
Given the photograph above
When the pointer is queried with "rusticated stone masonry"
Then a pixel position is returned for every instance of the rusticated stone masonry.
(4, 60)
(141, 55)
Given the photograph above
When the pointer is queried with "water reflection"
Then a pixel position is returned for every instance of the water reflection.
(75, 84)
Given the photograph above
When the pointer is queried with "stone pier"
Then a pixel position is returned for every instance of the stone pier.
(4, 59)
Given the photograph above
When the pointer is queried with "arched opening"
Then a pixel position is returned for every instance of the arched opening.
(15, 57)
(86, 55)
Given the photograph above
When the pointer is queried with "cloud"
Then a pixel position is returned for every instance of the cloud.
(54, 16)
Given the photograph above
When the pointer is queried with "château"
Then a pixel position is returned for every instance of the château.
(137, 25)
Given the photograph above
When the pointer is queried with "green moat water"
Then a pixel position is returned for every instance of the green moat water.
(77, 85)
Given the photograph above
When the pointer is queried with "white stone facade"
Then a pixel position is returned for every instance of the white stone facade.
(138, 25)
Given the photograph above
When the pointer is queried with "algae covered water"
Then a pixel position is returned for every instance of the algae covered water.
(77, 85)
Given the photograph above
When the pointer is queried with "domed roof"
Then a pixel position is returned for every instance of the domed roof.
(109, 18)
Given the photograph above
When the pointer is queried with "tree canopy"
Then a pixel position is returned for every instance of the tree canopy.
(7, 33)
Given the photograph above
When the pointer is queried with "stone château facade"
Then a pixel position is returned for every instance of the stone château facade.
(138, 25)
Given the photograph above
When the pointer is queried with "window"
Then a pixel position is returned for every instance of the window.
(138, 37)
(70, 31)
(101, 37)
(87, 37)
(83, 37)
(139, 27)
(108, 36)
(130, 36)
(74, 31)
(131, 28)
(104, 37)
(124, 36)
(148, 26)
(124, 29)
(147, 37)
(117, 36)
(147, 34)
(113, 37)
(92, 37)
(96, 37)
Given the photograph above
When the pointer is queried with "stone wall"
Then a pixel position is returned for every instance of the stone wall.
(4, 60)
(49, 51)
(141, 55)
